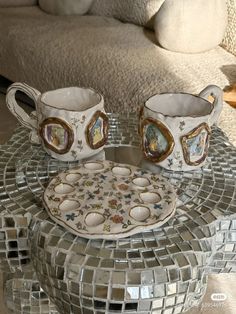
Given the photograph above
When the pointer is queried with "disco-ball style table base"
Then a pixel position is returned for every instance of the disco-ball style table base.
(159, 271)
(23, 293)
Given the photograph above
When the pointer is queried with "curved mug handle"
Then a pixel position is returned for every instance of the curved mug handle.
(217, 93)
(29, 121)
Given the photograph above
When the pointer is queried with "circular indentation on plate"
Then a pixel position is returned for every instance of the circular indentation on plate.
(93, 166)
(64, 188)
(150, 197)
(121, 171)
(140, 213)
(69, 205)
(73, 177)
(141, 182)
(94, 219)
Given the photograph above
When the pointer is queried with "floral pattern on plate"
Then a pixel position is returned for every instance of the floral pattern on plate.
(103, 199)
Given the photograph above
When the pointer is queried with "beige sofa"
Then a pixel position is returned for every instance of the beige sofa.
(121, 60)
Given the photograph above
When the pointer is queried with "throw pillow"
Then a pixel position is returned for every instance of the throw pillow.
(191, 26)
(17, 3)
(140, 12)
(229, 41)
(65, 7)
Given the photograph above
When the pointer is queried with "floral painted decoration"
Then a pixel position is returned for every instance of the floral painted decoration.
(107, 200)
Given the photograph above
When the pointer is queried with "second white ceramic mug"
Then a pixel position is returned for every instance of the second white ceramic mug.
(175, 128)
(71, 123)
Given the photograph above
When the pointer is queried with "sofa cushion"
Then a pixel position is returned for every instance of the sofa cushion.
(16, 3)
(140, 12)
(191, 26)
(120, 60)
(65, 7)
(229, 41)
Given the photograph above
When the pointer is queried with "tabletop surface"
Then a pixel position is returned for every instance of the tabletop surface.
(166, 255)
(204, 195)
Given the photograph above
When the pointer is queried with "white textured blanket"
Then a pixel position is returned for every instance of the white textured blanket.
(140, 12)
(120, 60)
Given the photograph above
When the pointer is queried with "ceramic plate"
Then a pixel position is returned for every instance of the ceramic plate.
(108, 200)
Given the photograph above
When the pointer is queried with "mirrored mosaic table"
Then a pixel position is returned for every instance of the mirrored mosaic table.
(162, 271)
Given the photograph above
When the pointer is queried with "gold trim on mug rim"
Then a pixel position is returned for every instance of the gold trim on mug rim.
(66, 109)
(165, 131)
(65, 126)
(93, 120)
(177, 116)
(195, 132)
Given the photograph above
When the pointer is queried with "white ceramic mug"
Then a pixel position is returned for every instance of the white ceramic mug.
(71, 123)
(175, 128)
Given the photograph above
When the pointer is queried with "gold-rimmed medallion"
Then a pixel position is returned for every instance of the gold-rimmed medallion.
(97, 130)
(157, 141)
(57, 135)
(195, 145)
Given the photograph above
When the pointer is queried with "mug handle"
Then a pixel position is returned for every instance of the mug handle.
(217, 93)
(26, 120)
(140, 117)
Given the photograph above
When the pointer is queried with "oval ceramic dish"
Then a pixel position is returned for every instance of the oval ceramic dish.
(106, 200)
